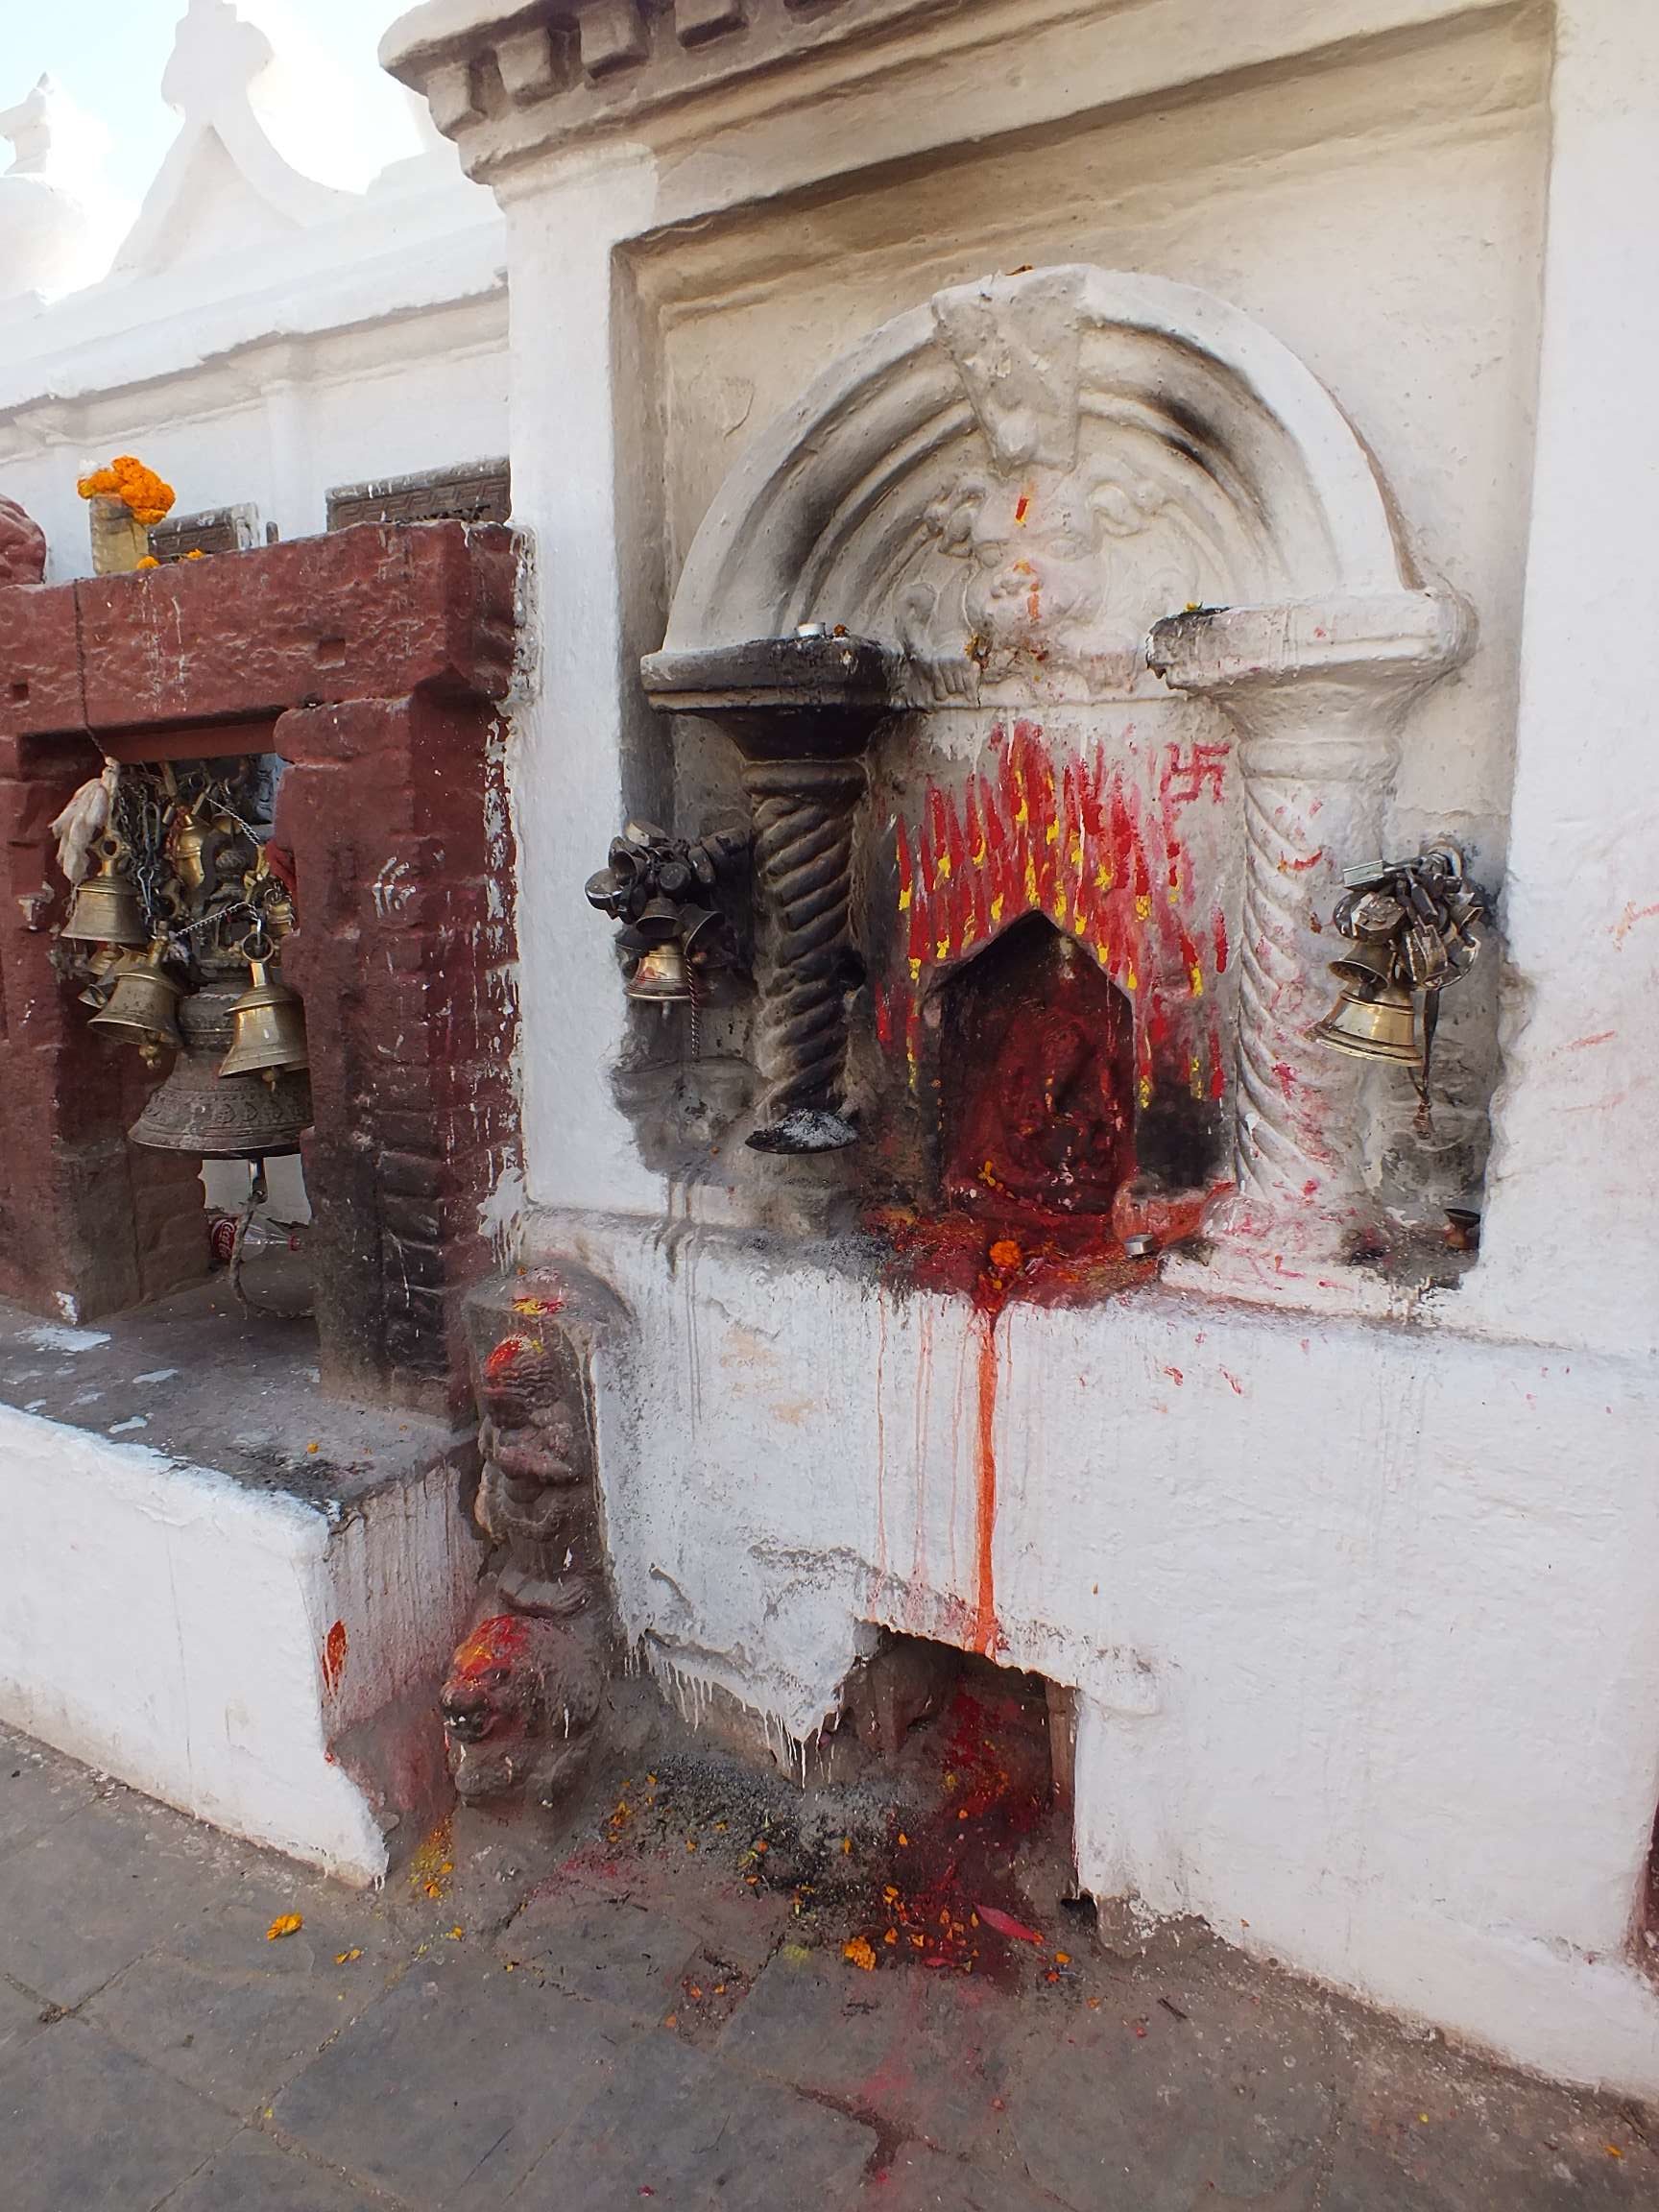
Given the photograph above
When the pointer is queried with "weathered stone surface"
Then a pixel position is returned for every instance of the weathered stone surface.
(135, 2137)
(253, 2174)
(38, 1788)
(454, 2084)
(716, 2138)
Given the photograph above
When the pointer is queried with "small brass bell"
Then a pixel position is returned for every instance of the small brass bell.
(105, 909)
(1374, 1023)
(1365, 968)
(662, 977)
(144, 1004)
(268, 1029)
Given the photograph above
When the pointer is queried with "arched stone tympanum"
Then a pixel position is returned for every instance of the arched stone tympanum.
(1007, 489)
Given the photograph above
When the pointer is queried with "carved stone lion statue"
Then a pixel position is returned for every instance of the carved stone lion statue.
(518, 1708)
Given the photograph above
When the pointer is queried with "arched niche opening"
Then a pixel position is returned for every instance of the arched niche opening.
(1036, 1084)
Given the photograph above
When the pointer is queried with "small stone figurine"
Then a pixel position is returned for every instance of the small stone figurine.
(526, 1689)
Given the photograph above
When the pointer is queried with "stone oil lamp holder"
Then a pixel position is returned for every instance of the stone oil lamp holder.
(801, 711)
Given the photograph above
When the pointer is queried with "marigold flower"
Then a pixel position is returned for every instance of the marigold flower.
(144, 494)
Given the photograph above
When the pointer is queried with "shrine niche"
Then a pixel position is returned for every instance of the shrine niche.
(1037, 1083)
(920, 608)
(365, 879)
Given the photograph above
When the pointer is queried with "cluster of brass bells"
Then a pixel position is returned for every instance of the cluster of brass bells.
(662, 889)
(1413, 927)
(238, 1089)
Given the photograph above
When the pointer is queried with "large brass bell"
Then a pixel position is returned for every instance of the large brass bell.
(1372, 1023)
(143, 1004)
(105, 909)
(662, 977)
(268, 1029)
(213, 1116)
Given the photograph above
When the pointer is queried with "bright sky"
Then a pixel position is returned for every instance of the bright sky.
(109, 56)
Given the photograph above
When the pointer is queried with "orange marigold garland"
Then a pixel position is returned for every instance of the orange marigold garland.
(146, 497)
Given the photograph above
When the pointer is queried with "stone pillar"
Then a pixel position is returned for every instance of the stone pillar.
(403, 956)
(1318, 693)
(801, 711)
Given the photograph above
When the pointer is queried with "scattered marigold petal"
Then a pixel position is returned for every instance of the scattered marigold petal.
(345, 1957)
(284, 1924)
(862, 1954)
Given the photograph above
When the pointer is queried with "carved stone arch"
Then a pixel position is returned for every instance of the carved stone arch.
(1118, 407)
(1044, 492)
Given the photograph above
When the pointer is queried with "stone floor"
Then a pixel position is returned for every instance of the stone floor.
(680, 2014)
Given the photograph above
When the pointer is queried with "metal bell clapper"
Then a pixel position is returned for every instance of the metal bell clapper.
(105, 909)
(268, 1029)
(143, 1004)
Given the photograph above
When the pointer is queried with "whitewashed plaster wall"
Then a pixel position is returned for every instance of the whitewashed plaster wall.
(168, 1624)
(264, 334)
(1368, 1663)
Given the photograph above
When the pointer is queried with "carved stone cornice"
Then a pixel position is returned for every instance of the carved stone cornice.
(508, 78)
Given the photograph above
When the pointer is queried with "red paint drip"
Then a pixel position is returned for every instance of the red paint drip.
(983, 1633)
(494, 1643)
(335, 1656)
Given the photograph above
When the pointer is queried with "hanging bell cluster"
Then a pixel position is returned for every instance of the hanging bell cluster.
(663, 890)
(1413, 925)
(179, 935)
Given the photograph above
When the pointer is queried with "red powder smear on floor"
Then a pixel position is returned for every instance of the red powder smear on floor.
(335, 1656)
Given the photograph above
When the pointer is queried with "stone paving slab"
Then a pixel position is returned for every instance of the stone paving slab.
(253, 2174)
(674, 2125)
(38, 1789)
(451, 2086)
(157, 2053)
(84, 2126)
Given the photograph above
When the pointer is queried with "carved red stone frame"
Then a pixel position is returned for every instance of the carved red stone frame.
(373, 660)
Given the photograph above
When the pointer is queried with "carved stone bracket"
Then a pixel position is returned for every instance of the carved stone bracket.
(1318, 691)
(801, 711)
(525, 1691)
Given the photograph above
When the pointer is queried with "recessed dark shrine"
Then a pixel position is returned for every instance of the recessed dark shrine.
(372, 663)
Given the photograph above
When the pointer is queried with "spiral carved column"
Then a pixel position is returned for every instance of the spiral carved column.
(800, 710)
(1318, 695)
(804, 813)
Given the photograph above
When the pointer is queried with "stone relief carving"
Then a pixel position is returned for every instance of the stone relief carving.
(526, 1688)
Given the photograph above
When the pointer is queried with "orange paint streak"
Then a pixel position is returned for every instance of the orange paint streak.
(983, 1633)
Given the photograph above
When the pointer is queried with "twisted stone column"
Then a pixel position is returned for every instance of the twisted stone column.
(804, 813)
(801, 711)
(1318, 693)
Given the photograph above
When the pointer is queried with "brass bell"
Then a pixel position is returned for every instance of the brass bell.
(212, 1116)
(1366, 968)
(143, 1004)
(105, 909)
(268, 1029)
(661, 978)
(1373, 1025)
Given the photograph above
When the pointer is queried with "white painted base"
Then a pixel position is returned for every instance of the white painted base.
(1360, 1617)
(169, 1624)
